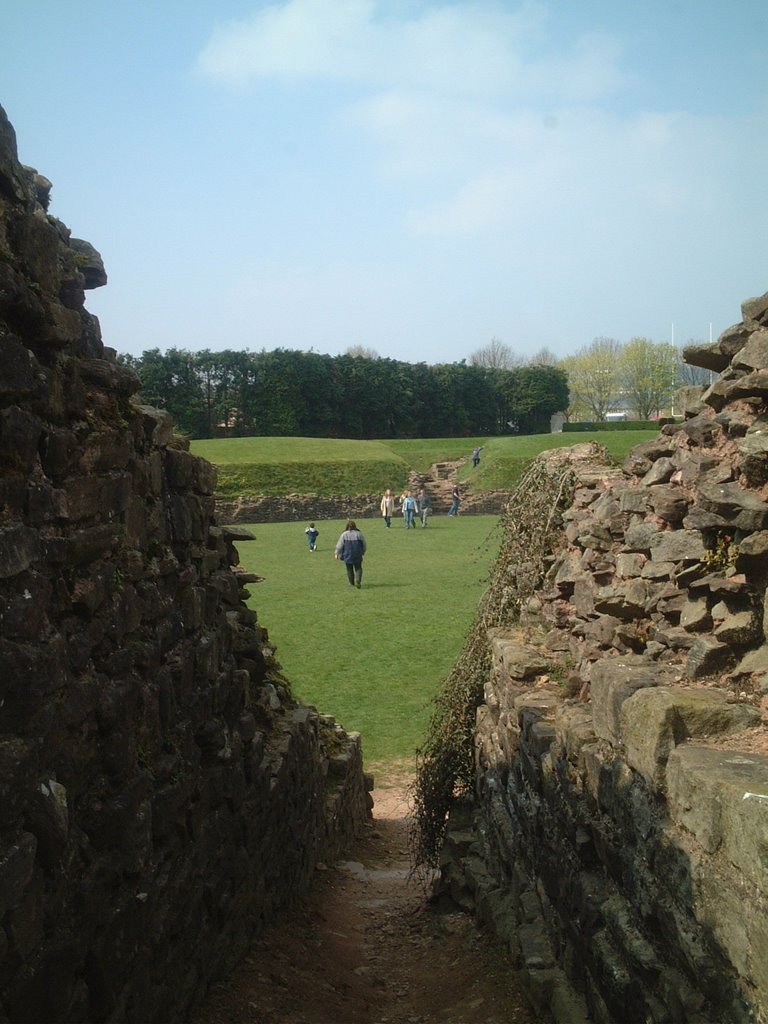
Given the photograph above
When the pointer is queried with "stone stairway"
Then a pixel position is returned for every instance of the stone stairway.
(438, 482)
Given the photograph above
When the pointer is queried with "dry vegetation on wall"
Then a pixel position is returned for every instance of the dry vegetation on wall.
(529, 525)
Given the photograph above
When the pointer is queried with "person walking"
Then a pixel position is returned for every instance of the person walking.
(312, 533)
(476, 456)
(455, 499)
(425, 506)
(388, 507)
(410, 508)
(350, 549)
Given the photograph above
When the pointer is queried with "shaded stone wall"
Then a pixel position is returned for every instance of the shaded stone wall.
(161, 793)
(617, 837)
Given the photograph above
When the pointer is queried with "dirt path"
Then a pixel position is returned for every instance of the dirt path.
(366, 948)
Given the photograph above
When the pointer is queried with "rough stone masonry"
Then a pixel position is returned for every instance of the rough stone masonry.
(161, 793)
(620, 841)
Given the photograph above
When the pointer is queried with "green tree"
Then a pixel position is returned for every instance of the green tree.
(649, 376)
(533, 394)
(169, 381)
(594, 379)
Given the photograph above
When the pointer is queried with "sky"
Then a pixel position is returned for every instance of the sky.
(418, 177)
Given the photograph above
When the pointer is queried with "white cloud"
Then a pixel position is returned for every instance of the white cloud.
(477, 48)
(300, 38)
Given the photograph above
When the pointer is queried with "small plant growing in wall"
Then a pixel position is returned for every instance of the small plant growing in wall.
(722, 555)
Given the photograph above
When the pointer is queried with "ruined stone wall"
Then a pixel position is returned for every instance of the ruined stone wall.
(161, 793)
(617, 837)
(291, 508)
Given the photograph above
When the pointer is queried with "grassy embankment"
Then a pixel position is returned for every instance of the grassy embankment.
(373, 658)
(316, 465)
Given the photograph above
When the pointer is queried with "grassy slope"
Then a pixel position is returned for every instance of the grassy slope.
(373, 658)
(283, 465)
(303, 465)
(504, 459)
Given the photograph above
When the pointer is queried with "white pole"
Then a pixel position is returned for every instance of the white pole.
(673, 333)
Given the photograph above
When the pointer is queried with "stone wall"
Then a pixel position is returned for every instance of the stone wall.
(291, 508)
(617, 836)
(161, 793)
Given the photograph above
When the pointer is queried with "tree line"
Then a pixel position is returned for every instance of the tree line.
(639, 377)
(306, 394)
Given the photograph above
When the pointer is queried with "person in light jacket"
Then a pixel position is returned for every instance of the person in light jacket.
(388, 507)
(350, 549)
(410, 509)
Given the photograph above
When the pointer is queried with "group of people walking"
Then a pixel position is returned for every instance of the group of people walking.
(412, 507)
(351, 545)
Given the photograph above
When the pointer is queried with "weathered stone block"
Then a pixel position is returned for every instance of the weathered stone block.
(736, 505)
(629, 564)
(703, 429)
(653, 722)
(19, 435)
(612, 682)
(669, 503)
(97, 496)
(721, 797)
(575, 730)
(677, 546)
(709, 357)
(755, 311)
(661, 470)
(753, 550)
(515, 660)
(694, 615)
(19, 548)
(187, 519)
(112, 377)
(624, 601)
(18, 377)
(738, 627)
(754, 458)
(707, 657)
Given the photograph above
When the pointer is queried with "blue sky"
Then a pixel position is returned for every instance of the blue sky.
(415, 177)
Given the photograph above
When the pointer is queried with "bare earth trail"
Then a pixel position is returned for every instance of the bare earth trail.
(365, 947)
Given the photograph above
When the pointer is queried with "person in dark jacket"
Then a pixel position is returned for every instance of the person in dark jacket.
(350, 549)
(424, 502)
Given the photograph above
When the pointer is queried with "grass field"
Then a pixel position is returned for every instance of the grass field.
(312, 465)
(373, 658)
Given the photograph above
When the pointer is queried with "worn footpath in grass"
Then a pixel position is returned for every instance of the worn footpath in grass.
(373, 658)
